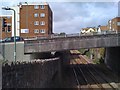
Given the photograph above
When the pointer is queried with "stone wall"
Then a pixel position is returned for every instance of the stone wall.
(36, 74)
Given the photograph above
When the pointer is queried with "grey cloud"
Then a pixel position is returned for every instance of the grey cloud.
(67, 11)
(119, 8)
(70, 17)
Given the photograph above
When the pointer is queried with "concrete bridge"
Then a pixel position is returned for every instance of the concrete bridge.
(34, 49)
(70, 43)
(111, 43)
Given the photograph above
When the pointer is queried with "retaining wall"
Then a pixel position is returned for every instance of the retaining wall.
(29, 75)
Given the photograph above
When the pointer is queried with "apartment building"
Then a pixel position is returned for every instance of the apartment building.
(114, 24)
(31, 20)
(35, 20)
(5, 26)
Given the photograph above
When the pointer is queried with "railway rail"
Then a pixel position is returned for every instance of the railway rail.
(87, 75)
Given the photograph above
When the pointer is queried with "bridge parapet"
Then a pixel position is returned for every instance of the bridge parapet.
(73, 42)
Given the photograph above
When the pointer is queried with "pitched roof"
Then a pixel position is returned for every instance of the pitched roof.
(88, 28)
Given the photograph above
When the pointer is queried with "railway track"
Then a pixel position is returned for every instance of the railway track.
(87, 75)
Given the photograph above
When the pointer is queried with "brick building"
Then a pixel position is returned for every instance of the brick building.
(5, 26)
(103, 28)
(114, 24)
(31, 19)
(35, 20)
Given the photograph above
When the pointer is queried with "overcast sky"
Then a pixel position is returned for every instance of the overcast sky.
(70, 17)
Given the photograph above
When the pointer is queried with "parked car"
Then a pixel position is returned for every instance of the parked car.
(11, 39)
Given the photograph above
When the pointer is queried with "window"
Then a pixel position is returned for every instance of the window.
(24, 30)
(42, 23)
(36, 23)
(42, 6)
(36, 31)
(42, 31)
(42, 15)
(9, 29)
(36, 15)
(3, 29)
(118, 23)
(36, 7)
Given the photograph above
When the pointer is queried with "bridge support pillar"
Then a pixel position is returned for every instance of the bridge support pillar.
(112, 58)
(62, 63)
(60, 73)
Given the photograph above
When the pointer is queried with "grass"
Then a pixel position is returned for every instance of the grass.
(96, 60)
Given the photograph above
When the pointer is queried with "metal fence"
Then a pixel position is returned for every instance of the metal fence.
(52, 36)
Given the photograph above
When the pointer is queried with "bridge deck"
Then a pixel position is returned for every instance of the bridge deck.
(70, 43)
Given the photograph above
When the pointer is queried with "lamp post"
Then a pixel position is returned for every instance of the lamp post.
(7, 8)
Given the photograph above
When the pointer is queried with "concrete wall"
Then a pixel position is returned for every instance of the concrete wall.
(7, 52)
(112, 58)
(29, 75)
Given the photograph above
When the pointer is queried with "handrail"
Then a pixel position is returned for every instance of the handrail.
(52, 36)
(36, 41)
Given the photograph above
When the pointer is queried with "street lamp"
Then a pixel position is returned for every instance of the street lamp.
(7, 8)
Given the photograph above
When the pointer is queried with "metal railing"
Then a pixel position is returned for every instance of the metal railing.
(53, 36)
